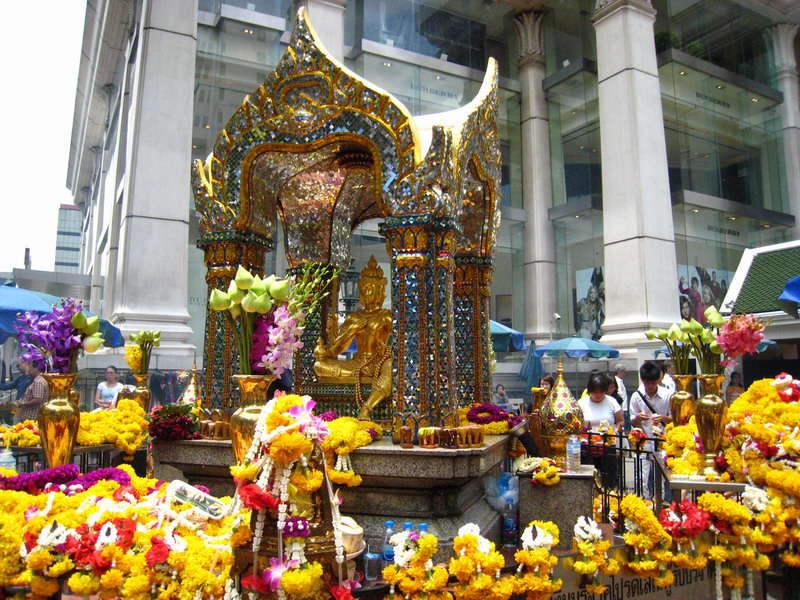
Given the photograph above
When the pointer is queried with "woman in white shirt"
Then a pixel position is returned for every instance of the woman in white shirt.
(598, 407)
(107, 390)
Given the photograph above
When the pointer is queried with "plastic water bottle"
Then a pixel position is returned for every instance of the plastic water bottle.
(7, 460)
(423, 529)
(387, 550)
(510, 525)
(408, 526)
(573, 454)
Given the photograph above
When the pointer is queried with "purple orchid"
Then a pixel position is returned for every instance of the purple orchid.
(51, 341)
(272, 576)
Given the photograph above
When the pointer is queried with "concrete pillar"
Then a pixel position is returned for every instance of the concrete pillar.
(537, 188)
(151, 282)
(639, 243)
(785, 79)
(327, 18)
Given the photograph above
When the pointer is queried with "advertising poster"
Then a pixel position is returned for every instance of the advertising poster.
(590, 298)
(699, 288)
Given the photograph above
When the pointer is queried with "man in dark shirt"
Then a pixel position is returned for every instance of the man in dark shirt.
(19, 383)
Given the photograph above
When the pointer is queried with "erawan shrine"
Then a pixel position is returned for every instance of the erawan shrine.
(386, 471)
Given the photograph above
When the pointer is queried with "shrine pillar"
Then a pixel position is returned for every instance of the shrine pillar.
(223, 252)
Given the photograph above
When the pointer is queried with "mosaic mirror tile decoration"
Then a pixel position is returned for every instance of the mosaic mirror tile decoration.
(323, 150)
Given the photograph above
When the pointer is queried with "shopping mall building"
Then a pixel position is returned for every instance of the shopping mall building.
(645, 145)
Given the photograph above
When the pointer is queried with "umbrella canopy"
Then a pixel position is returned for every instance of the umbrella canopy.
(505, 339)
(575, 347)
(531, 371)
(790, 296)
(14, 301)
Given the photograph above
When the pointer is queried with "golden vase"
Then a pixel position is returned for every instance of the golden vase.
(141, 393)
(253, 395)
(59, 418)
(681, 405)
(711, 416)
(560, 416)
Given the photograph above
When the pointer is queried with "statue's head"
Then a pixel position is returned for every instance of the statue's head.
(372, 285)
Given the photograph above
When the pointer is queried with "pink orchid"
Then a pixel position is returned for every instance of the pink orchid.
(272, 576)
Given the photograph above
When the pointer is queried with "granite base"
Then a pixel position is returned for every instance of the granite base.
(562, 503)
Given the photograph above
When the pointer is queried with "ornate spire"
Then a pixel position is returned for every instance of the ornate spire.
(529, 27)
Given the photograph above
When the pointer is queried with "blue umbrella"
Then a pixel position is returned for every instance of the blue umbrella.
(14, 301)
(531, 371)
(789, 297)
(575, 347)
(504, 338)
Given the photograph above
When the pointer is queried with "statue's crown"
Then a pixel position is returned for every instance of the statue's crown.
(372, 270)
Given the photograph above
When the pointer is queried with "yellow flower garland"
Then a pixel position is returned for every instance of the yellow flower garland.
(123, 427)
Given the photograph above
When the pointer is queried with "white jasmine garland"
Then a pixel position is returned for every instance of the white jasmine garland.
(587, 530)
(755, 499)
(469, 529)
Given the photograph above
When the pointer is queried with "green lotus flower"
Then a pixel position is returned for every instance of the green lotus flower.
(662, 334)
(258, 287)
(674, 332)
(263, 304)
(695, 328)
(92, 342)
(78, 320)
(650, 334)
(219, 300)
(92, 325)
(714, 318)
(685, 326)
(235, 293)
(248, 302)
(279, 290)
(235, 310)
(715, 347)
(243, 279)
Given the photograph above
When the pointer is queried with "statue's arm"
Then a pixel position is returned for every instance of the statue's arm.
(347, 332)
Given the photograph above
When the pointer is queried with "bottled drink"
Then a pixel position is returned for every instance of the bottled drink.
(408, 526)
(510, 524)
(573, 454)
(423, 529)
(387, 550)
(7, 460)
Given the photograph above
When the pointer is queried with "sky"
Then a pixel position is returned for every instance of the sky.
(40, 46)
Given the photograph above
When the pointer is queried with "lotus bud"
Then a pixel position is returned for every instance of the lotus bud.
(235, 293)
(662, 334)
(263, 303)
(715, 347)
(235, 310)
(714, 318)
(248, 302)
(243, 279)
(270, 280)
(92, 325)
(650, 334)
(279, 290)
(78, 320)
(92, 342)
(218, 300)
(685, 326)
(695, 328)
(156, 338)
(673, 332)
(258, 287)
(707, 337)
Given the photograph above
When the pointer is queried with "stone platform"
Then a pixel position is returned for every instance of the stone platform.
(562, 503)
(441, 487)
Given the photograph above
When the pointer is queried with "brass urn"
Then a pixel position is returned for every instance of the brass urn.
(59, 419)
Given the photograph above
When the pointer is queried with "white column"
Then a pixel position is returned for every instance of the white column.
(537, 188)
(639, 244)
(785, 79)
(151, 278)
(327, 18)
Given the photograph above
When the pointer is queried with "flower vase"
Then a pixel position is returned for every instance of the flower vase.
(681, 405)
(141, 393)
(711, 416)
(253, 395)
(59, 418)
